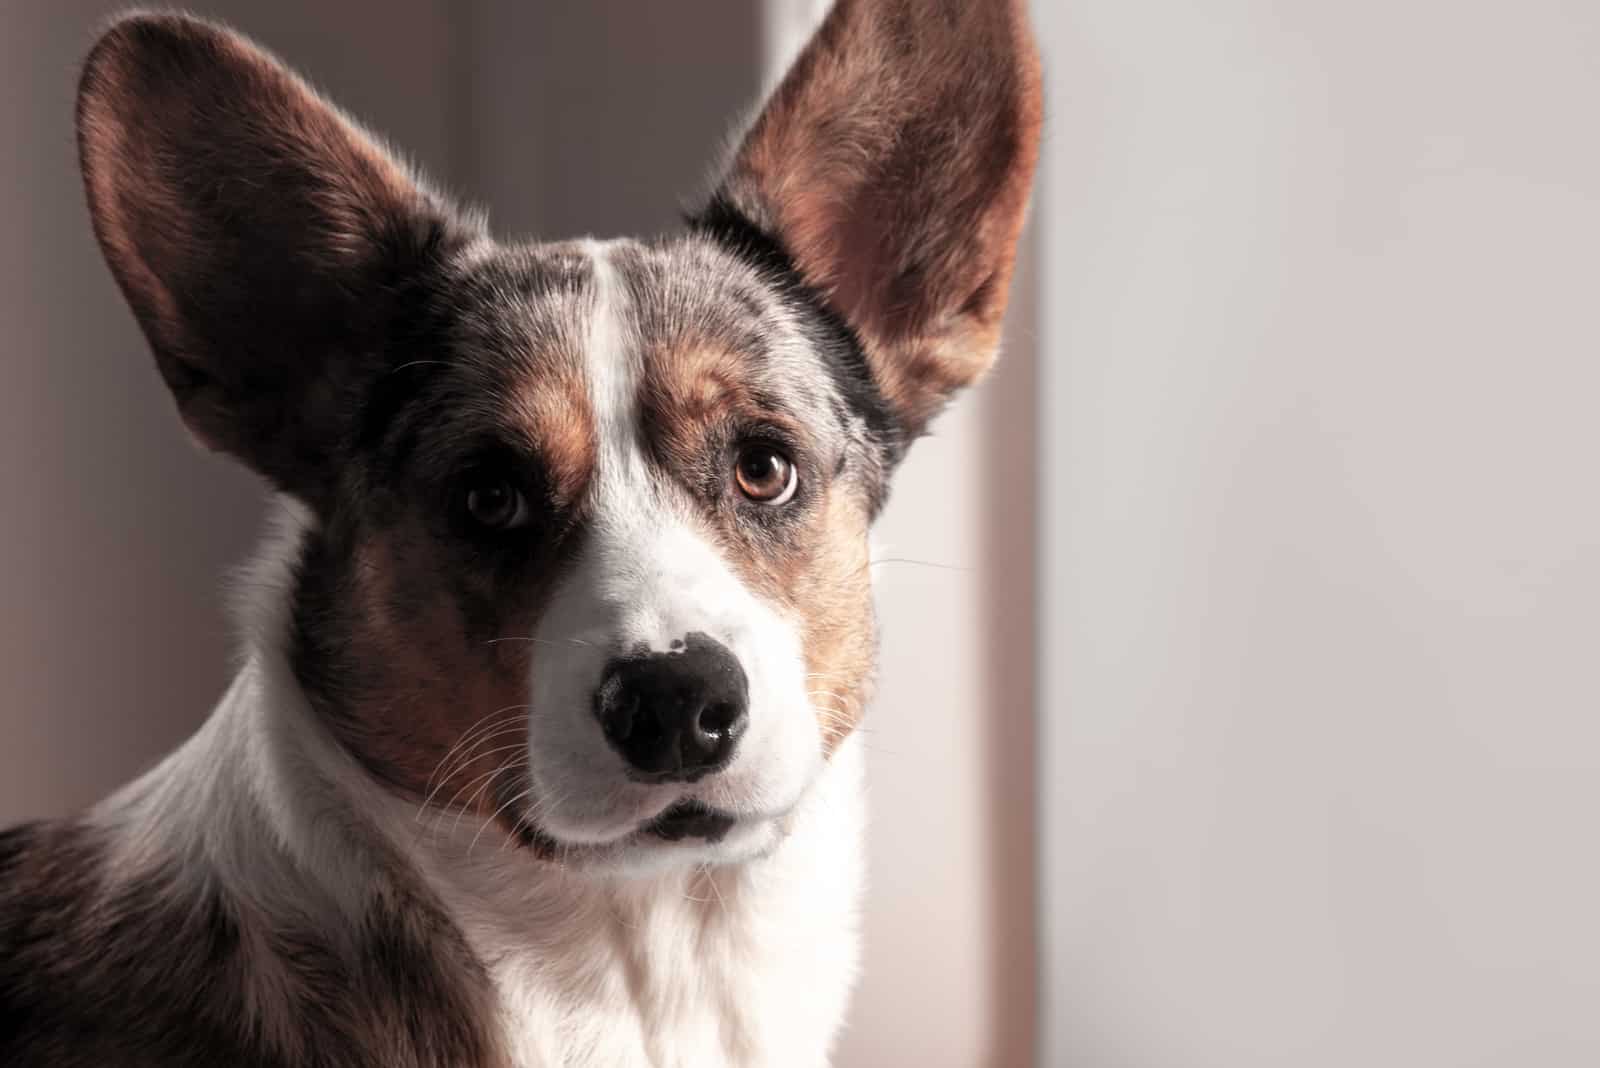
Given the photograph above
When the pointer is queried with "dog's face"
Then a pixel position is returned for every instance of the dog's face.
(588, 548)
(610, 511)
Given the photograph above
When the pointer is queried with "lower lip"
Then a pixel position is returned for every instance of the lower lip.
(690, 819)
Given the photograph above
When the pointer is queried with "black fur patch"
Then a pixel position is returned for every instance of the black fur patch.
(99, 967)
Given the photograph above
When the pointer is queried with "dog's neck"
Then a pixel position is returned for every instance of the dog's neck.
(744, 964)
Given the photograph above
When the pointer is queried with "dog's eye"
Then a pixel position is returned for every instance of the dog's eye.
(495, 504)
(765, 475)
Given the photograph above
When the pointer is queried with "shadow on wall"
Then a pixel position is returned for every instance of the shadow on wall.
(1010, 650)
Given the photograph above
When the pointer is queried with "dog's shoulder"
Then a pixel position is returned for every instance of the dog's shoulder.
(151, 962)
(95, 973)
(63, 952)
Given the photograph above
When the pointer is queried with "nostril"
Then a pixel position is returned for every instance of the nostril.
(619, 710)
(717, 720)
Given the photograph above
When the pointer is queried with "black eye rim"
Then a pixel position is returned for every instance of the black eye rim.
(791, 484)
(518, 513)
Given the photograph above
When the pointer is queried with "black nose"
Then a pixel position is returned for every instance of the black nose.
(675, 716)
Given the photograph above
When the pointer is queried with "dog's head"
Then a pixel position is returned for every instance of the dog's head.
(588, 547)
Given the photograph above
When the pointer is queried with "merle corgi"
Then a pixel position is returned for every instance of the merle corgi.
(541, 749)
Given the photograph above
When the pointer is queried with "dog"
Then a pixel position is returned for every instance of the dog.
(542, 748)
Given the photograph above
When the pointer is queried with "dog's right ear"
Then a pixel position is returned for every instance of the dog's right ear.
(263, 240)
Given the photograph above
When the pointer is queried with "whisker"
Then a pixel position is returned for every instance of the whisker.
(483, 723)
(711, 880)
(486, 779)
(466, 757)
(530, 818)
(690, 897)
(495, 815)
(488, 753)
(918, 563)
(419, 363)
(839, 724)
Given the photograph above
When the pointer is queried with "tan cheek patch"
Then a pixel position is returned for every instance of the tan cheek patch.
(827, 587)
(443, 715)
(440, 710)
(833, 597)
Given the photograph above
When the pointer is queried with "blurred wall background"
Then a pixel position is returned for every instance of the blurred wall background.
(561, 119)
(1319, 544)
(1321, 579)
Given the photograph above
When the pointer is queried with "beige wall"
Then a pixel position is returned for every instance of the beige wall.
(1322, 717)
(561, 119)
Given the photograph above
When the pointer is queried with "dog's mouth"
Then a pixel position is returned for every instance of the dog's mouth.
(686, 820)
(682, 821)
(691, 819)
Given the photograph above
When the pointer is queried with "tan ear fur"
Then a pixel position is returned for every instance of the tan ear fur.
(893, 164)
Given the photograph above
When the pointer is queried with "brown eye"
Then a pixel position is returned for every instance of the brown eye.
(495, 504)
(765, 475)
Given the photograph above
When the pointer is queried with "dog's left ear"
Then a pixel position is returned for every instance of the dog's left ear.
(893, 166)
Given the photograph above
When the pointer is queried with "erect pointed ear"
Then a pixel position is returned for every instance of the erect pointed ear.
(893, 166)
(264, 241)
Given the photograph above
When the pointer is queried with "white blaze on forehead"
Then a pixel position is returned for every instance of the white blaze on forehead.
(662, 577)
(647, 576)
(612, 359)
(630, 508)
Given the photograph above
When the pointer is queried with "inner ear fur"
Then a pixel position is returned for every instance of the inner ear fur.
(263, 240)
(893, 164)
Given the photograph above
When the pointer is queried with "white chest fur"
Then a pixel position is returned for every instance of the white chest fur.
(749, 964)
(744, 965)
